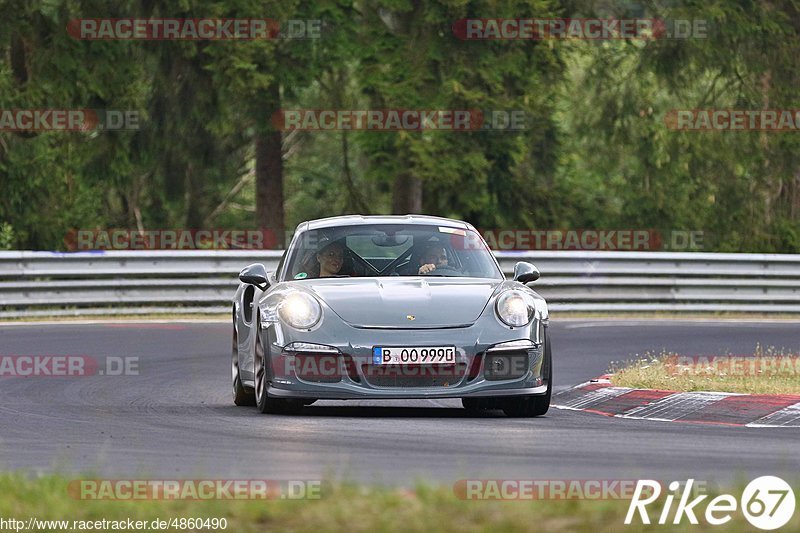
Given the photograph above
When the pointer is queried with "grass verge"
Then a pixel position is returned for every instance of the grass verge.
(350, 508)
(767, 371)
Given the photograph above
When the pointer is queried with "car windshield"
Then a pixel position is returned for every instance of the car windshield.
(377, 250)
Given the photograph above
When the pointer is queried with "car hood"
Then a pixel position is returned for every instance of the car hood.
(405, 302)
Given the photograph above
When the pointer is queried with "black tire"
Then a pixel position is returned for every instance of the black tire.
(242, 396)
(530, 406)
(264, 403)
(471, 404)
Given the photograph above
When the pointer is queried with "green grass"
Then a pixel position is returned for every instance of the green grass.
(348, 508)
(769, 371)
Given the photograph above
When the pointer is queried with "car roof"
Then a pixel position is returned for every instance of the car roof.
(355, 220)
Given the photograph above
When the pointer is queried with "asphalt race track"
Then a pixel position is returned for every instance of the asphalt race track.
(176, 418)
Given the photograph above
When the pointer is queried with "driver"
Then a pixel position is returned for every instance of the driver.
(433, 256)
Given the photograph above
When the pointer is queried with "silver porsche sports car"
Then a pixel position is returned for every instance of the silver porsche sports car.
(390, 307)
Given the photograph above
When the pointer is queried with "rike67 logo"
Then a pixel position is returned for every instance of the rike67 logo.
(767, 502)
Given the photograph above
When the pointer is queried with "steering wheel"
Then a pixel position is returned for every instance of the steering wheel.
(446, 268)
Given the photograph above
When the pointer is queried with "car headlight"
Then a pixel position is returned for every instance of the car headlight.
(300, 310)
(515, 308)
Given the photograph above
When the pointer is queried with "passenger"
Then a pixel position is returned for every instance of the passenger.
(331, 260)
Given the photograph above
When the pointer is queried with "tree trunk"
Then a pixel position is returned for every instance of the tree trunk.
(269, 176)
(194, 215)
(407, 195)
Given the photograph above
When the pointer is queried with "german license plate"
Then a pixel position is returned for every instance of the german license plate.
(413, 355)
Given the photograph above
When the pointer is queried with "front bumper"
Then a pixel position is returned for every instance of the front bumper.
(492, 361)
(341, 393)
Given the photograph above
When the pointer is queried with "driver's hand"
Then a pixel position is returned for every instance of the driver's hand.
(427, 269)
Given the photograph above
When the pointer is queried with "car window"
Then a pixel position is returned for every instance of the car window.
(378, 256)
(389, 250)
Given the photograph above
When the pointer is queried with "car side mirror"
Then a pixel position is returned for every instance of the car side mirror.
(255, 274)
(525, 272)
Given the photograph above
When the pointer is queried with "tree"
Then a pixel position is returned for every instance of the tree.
(414, 61)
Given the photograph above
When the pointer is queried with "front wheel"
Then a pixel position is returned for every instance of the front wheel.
(241, 396)
(530, 406)
(264, 403)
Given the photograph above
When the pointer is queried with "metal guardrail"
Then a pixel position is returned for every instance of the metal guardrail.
(145, 282)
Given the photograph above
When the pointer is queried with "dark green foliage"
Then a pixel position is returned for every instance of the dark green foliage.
(596, 152)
